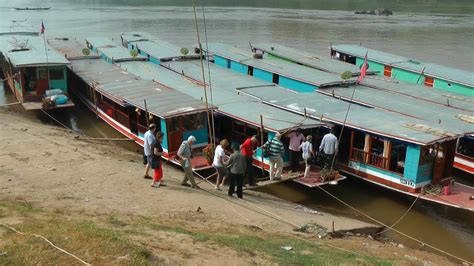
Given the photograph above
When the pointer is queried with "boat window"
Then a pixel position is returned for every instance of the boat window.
(42, 73)
(466, 146)
(276, 78)
(250, 70)
(428, 154)
(174, 124)
(194, 121)
(397, 157)
(56, 74)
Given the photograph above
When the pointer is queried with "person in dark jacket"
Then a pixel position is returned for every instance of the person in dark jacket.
(237, 165)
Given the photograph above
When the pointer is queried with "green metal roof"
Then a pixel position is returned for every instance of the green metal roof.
(445, 117)
(301, 73)
(224, 95)
(376, 121)
(29, 51)
(113, 50)
(71, 48)
(306, 59)
(413, 65)
(159, 49)
(127, 88)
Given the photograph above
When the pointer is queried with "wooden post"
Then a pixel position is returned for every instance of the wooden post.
(146, 114)
(262, 129)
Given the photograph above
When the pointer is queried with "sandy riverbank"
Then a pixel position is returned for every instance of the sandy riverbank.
(48, 168)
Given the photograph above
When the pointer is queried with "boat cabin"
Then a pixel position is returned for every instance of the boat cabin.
(389, 149)
(129, 104)
(407, 69)
(34, 72)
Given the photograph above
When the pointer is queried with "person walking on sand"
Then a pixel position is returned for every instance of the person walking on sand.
(157, 162)
(248, 149)
(296, 138)
(275, 149)
(149, 139)
(184, 153)
(237, 165)
(307, 152)
(218, 163)
(328, 148)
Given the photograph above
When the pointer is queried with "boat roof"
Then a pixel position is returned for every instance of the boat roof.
(306, 59)
(151, 45)
(123, 88)
(71, 48)
(301, 73)
(372, 120)
(445, 118)
(113, 50)
(29, 51)
(422, 93)
(438, 71)
(224, 97)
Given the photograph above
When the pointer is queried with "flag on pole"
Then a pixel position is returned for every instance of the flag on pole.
(42, 27)
(363, 69)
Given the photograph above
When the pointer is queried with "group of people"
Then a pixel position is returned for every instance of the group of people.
(240, 162)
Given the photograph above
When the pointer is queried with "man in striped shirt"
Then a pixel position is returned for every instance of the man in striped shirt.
(276, 150)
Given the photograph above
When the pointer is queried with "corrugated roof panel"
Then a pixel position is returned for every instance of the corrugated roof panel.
(368, 119)
(310, 60)
(72, 49)
(29, 50)
(430, 69)
(224, 95)
(161, 101)
(301, 73)
(444, 117)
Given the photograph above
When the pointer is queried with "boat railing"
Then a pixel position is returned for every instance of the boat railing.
(362, 156)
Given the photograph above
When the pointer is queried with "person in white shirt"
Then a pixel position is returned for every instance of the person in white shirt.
(307, 152)
(218, 163)
(149, 141)
(328, 148)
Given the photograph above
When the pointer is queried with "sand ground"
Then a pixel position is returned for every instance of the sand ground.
(50, 168)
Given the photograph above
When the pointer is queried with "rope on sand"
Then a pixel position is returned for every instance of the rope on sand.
(10, 104)
(47, 241)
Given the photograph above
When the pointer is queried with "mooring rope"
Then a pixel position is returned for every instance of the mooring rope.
(47, 241)
(393, 229)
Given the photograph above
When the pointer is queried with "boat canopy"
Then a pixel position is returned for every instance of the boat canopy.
(371, 120)
(113, 50)
(72, 49)
(29, 51)
(125, 88)
(434, 70)
(161, 50)
(306, 59)
(287, 69)
(225, 98)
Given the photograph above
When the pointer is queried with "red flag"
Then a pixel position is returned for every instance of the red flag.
(363, 70)
(42, 28)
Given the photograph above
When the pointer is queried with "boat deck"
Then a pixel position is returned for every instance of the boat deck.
(459, 197)
(314, 179)
(30, 106)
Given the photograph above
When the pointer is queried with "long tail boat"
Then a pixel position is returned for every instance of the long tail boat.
(129, 104)
(35, 73)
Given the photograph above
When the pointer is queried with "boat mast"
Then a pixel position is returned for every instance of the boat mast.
(210, 113)
(45, 51)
